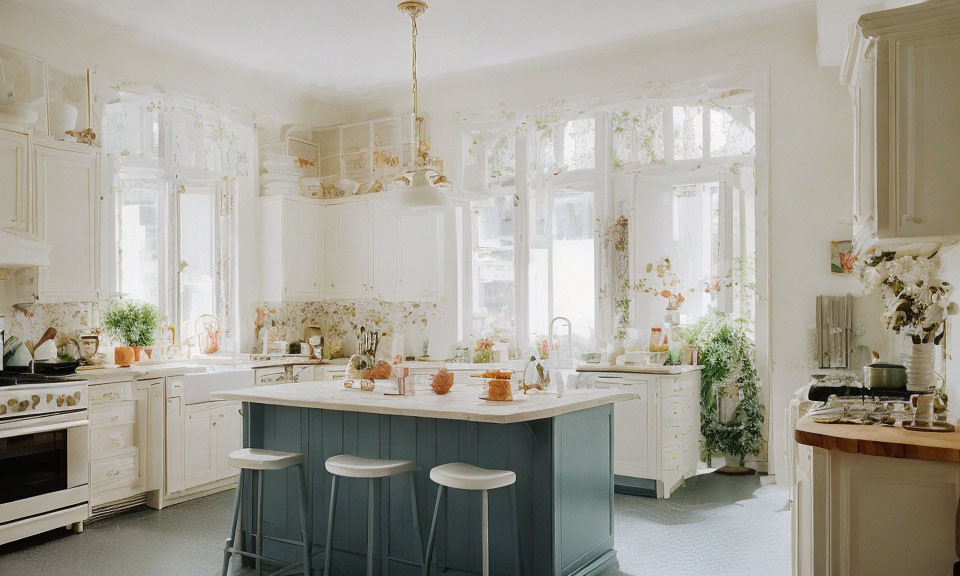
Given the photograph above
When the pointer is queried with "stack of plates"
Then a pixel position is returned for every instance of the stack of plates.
(281, 174)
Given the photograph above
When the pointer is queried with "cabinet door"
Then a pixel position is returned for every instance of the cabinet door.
(229, 428)
(348, 250)
(149, 397)
(16, 210)
(386, 251)
(68, 199)
(199, 446)
(175, 444)
(420, 256)
(302, 250)
(631, 432)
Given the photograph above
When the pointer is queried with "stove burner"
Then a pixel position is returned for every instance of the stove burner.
(819, 393)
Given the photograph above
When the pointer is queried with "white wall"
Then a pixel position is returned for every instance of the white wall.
(810, 145)
(72, 48)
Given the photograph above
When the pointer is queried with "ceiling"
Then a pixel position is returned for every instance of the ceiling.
(361, 44)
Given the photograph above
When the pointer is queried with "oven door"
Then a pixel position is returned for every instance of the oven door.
(44, 463)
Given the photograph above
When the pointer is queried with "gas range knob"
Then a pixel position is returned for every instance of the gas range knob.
(71, 400)
(49, 398)
(24, 404)
(3, 409)
(34, 400)
(60, 400)
(12, 403)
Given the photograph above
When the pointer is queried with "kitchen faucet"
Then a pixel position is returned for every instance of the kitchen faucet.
(569, 335)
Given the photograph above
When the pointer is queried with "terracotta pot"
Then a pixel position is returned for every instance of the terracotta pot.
(136, 353)
(148, 352)
(123, 355)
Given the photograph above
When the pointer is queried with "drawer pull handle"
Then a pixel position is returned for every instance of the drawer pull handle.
(113, 473)
(111, 396)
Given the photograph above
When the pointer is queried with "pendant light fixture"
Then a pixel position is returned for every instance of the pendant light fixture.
(420, 185)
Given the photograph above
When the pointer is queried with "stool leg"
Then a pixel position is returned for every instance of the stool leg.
(304, 522)
(416, 515)
(517, 564)
(370, 527)
(259, 522)
(328, 550)
(433, 533)
(233, 526)
(483, 532)
(385, 540)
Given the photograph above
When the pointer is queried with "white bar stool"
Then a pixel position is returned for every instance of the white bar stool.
(466, 477)
(349, 466)
(257, 461)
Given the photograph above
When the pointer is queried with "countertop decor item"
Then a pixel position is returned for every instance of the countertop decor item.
(442, 381)
(420, 186)
(208, 332)
(133, 324)
(916, 304)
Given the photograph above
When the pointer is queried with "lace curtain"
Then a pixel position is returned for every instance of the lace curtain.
(184, 145)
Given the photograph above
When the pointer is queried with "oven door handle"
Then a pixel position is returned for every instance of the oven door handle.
(13, 432)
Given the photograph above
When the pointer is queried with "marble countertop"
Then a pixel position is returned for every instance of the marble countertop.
(461, 403)
(874, 440)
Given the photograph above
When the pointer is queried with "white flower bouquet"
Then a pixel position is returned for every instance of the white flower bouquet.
(916, 302)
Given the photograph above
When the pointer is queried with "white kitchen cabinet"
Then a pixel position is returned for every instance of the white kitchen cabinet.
(16, 201)
(292, 253)
(349, 259)
(408, 252)
(900, 67)
(67, 191)
(126, 439)
(211, 431)
(657, 435)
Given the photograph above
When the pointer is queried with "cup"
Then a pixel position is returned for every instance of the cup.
(924, 414)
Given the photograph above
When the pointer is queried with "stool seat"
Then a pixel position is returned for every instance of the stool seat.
(258, 459)
(356, 467)
(466, 477)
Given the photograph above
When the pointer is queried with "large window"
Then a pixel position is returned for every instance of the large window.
(547, 190)
(177, 165)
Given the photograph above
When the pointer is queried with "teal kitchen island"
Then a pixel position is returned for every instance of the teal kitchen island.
(561, 450)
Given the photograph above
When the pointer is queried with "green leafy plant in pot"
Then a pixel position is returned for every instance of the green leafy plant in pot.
(134, 324)
(728, 355)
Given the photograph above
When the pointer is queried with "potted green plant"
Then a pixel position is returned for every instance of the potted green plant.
(728, 355)
(135, 325)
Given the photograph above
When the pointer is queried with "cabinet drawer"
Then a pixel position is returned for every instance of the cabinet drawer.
(107, 441)
(115, 472)
(670, 458)
(113, 413)
(671, 386)
(110, 392)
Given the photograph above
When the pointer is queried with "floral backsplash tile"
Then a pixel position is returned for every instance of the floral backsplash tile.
(70, 320)
(339, 319)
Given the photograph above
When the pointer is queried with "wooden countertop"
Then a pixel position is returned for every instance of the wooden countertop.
(461, 403)
(875, 440)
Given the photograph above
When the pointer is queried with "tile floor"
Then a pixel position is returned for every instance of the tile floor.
(716, 525)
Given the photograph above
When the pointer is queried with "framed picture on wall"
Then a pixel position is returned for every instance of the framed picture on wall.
(842, 257)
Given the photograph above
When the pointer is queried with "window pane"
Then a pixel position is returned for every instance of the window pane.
(197, 256)
(494, 309)
(579, 144)
(501, 165)
(687, 132)
(637, 135)
(732, 132)
(138, 254)
(574, 263)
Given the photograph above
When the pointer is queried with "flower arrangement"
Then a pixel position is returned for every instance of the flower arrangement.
(132, 323)
(482, 350)
(916, 303)
(544, 346)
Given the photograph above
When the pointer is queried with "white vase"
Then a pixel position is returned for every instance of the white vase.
(920, 375)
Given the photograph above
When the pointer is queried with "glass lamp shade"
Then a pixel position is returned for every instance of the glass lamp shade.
(421, 196)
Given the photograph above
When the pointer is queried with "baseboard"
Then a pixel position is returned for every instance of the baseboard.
(635, 486)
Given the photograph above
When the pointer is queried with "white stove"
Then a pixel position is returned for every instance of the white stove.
(44, 454)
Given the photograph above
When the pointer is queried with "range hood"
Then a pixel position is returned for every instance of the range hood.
(18, 251)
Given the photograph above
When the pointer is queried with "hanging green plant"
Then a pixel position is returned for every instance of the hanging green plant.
(617, 239)
(728, 355)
